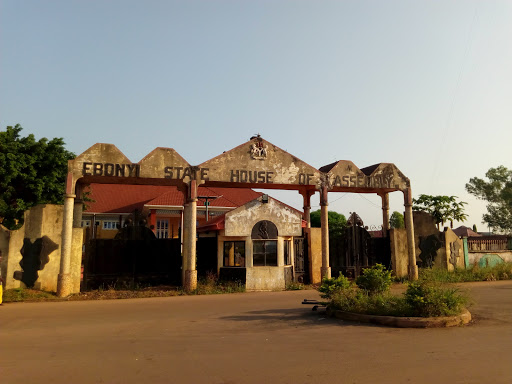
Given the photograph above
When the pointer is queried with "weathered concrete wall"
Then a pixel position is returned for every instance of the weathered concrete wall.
(399, 252)
(453, 250)
(241, 220)
(4, 250)
(38, 243)
(46, 220)
(345, 175)
(315, 254)
(489, 258)
(433, 248)
(430, 243)
(265, 279)
(260, 162)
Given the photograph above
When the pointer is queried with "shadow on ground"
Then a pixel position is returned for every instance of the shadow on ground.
(295, 317)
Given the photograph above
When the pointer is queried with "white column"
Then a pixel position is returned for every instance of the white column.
(190, 282)
(409, 226)
(324, 217)
(64, 283)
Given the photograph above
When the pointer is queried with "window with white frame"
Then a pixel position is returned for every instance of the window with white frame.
(162, 229)
(109, 225)
(86, 223)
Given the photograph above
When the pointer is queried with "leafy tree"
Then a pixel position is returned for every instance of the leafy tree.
(337, 222)
(474, 228)
(397, 220)
(442, 208)
(498, 194)
(31, 172)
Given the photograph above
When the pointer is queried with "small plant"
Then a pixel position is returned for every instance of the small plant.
(332, 285)
(376, 279)
(294, 286)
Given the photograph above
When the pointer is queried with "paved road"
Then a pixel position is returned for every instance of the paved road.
(246, 338)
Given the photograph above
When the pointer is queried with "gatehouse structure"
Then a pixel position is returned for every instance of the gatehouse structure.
(254, 164)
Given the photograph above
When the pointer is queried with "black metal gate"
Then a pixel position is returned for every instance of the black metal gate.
(206, 260)
(301, 265)
(127, 263)
(355, 249)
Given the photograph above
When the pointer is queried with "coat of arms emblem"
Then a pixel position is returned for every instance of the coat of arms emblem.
(259, 151)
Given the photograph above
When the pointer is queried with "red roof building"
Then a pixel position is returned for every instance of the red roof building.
(160, 206)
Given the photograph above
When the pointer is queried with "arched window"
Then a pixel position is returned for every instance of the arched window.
(264, 240)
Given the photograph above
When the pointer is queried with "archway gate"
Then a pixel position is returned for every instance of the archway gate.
(254, 164)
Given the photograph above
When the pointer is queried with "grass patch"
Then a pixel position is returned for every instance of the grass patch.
(295, 286)
(501, 271)
(22, 294)
(208, 286)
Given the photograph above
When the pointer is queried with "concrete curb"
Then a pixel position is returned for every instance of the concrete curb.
(404, 322)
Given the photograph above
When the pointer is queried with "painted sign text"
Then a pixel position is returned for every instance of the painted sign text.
(361, 181)
(110, 169)
(179, 173)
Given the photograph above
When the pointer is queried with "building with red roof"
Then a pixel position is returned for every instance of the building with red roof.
(160, 206)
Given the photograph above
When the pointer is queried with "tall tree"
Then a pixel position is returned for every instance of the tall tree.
(31, 172)
(442, 208)
(337, 221)
(498, 194)
(396, 220)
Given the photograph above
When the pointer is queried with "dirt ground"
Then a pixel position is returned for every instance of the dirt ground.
(247, 338)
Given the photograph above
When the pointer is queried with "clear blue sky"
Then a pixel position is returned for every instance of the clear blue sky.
(426, 85)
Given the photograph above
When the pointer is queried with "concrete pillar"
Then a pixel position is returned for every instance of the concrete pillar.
(64, 283)
(324, 217)
(280, 252)
(409, 226)
(307, 206)
(189, 245)
(78, 208)
(385, 213)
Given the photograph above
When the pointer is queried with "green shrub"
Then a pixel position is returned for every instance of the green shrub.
(428, 299)
(332, 285)
(376, 279)
(359, 301)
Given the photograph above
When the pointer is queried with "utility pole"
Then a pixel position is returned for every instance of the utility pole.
(207, 203)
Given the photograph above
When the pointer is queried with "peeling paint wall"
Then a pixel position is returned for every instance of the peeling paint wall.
(265, 279)
(274, 166)
(241, 220)
(454, 250)
(399, 252)
(489, 258)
